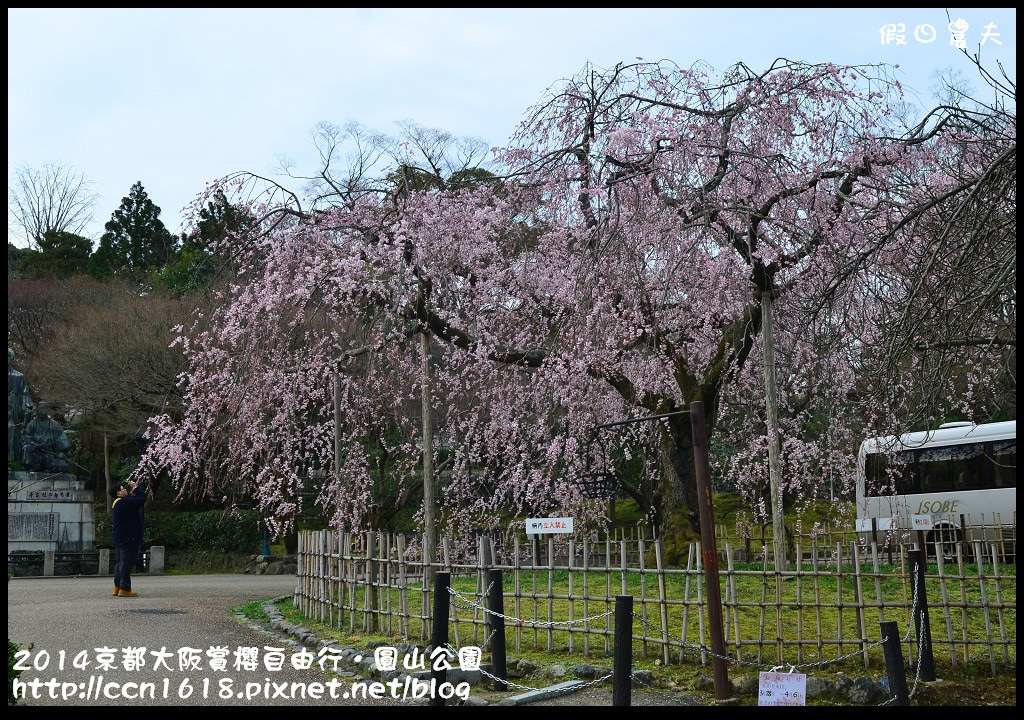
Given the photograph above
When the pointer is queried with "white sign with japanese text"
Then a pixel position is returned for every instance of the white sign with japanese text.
(536, 526)
(922, 522)
(782, 689)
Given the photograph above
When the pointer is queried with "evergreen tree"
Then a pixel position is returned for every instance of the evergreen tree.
(135, 240)
(196, 262)
(61, 253)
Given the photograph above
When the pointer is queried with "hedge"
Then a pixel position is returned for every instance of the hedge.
(239, 532)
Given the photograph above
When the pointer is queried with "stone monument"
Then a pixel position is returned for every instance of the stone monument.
(19, 405)
(44, 442)
(47, 508)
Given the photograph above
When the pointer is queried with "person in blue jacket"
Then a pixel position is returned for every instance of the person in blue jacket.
(126, 532)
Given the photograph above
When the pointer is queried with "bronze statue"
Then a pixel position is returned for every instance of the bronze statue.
(19, 405)
(44, 443)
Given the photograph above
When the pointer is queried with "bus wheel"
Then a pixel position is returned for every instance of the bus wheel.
(946, 540)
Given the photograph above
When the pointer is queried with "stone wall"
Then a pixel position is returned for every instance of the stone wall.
(48, 512)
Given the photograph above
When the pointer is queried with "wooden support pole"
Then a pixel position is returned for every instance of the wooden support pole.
(622, 664)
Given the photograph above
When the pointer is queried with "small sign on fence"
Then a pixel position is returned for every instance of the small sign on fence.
(536, 526)
(782, 689)
(922, 522)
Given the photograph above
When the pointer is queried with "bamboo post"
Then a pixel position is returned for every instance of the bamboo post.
(643, 594)
(551, 590)
(329, 547)
(300, 573)
(876, 571)
(586, 605)
(607, 592)
(367, 617)
(387, 579)
(325, 578)
(339, 544)
(316, 574)
(997, 531)
(780, 563)
(839, 597)
(447, 559)
(764, 605)
(622, 562)
(963, 534)
(403, 597)
(817, 598)
(999, 606)
(700, 605)
(799, 603)
(535, 550)
(686, 597)
(662, 598)
(353, 586)
(979, 553)
(516, 571)
(731, 574)
(941, 564)
(572, 608)
(859, 589)
(427, 561)
(481, 584)
(962, 578)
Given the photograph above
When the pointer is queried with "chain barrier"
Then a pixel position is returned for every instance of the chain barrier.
(748, 663)
(517, 686)
(521, 622)
(920, 638)
(698, 647)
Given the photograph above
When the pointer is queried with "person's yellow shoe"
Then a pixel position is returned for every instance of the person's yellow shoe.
(126, 593)
(117, 591)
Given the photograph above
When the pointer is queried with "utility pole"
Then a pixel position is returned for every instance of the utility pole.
(709, 553)
(429, 509)
(337, 426)
(772, 413)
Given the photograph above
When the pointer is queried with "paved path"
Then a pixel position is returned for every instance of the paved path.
(79, 614)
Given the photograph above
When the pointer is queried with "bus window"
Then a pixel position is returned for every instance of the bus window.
(1004, 455)
(968, 467)
(935, 468)
(886, 472)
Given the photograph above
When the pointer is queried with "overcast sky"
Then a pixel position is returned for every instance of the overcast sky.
(176, 98)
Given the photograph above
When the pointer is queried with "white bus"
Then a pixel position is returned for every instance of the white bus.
(962, 475)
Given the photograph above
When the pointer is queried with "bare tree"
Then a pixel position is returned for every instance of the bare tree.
(949, 305)
(53, 198)
(113, 362)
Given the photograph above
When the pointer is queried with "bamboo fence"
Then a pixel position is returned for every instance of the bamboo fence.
(826, 606)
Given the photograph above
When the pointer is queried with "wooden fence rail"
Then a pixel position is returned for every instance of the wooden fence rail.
(827, 606)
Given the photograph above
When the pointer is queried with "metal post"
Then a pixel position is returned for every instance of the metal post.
(439, 636)
(622, 664)
(705, 507)
(918, 563)
(496, 603)
(893, 654)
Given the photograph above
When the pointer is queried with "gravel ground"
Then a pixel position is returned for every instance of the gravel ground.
(78, 614)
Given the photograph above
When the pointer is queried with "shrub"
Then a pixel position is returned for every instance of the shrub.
(238, 532)
(12, 673)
